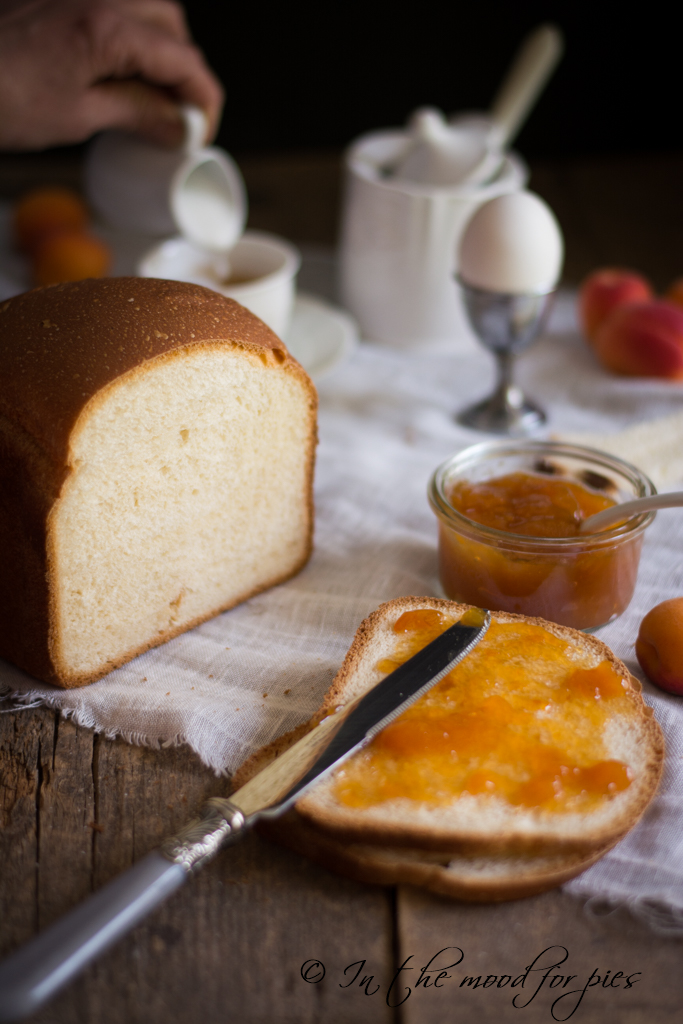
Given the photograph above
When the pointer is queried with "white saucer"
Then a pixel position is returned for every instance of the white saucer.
(320, 336)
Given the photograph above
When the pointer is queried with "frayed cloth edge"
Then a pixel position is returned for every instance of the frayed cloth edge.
(83, 718)
(662, 917)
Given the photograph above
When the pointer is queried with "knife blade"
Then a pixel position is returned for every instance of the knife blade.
(39, 969)
(339, 736)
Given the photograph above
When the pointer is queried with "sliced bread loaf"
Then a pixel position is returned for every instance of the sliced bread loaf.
(156, 451)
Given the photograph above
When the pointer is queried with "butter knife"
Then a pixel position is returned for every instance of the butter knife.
(39, 969)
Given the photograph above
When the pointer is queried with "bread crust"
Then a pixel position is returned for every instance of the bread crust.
(115, 329)
(114, 326)
(347, 825)
(448, 872)
(451, 874)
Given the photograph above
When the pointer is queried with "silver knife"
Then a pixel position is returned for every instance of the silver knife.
(39, 969)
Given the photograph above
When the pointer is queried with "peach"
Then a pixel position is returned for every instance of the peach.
(659, 647)
(605, 290)
(70, 256)
(45, 210)
(643, 340)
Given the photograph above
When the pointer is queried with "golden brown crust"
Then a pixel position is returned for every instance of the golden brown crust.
(515, 878)
(362, 828)
(63, 348)
(113, 325)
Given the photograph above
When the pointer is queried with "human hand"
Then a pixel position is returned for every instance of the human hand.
(70, 68)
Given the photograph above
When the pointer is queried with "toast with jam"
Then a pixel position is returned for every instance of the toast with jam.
(528, 761)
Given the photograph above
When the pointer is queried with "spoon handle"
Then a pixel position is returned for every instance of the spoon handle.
(533, 65)
(617, 513)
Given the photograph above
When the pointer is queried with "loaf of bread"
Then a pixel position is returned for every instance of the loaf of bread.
(156, 450)
(556, 754)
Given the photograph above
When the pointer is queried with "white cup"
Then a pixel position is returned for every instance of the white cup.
(259, 272)
(400, 241)
(197, 190)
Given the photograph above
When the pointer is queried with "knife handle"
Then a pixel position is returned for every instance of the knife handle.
(39, 969)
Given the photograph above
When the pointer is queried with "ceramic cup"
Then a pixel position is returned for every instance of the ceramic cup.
(197, 190)
(400, 243)
(259, 272)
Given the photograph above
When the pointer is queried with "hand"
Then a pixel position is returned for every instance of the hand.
(69, 68)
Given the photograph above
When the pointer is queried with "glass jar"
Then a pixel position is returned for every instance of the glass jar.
(583, 581)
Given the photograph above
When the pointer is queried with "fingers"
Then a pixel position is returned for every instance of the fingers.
(127, 49)
(161, 14)
(133, 106)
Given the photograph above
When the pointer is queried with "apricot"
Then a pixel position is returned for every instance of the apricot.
(604, 291)
(44, 211)
(659, 647)
(643, 340)
(70, 256)
(675, 292)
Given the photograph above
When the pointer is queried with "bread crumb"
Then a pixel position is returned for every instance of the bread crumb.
(168, 694)
(287, 691)
(265, 694)
(210, 677)
(95, 827)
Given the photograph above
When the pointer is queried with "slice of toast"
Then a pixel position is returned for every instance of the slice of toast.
(474, 877)
(485, 824)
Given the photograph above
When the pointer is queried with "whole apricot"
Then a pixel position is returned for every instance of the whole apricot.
(643, 340)
(659, 647)
(44, 211)
(675, 292)
(70, 256)
(605, 290)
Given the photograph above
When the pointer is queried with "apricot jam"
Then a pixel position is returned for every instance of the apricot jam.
(531, 504)
(511, 541)
(521, 719)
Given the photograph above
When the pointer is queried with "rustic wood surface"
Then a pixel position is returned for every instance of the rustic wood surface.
(76, 808)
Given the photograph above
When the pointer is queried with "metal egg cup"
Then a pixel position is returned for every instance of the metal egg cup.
(505, 324)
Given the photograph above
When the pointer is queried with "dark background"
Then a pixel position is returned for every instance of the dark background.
(315, 76)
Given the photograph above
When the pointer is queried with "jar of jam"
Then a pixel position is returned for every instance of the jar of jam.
(509, 530)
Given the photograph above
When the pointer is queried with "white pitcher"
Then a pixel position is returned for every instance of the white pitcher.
(400, 241)
(194, 189)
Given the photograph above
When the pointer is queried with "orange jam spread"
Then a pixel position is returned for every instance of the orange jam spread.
(584, 584)
(520, 718)
(528, 503)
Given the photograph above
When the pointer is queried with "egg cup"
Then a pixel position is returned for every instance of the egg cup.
(505, 324)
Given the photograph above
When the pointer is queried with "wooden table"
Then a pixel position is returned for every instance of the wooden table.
(76, 808)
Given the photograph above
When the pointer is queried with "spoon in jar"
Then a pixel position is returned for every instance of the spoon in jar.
(627, 509)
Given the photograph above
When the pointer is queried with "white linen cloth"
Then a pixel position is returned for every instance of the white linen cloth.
(386, 422)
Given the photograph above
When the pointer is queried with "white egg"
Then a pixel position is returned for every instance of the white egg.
(512, 244)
